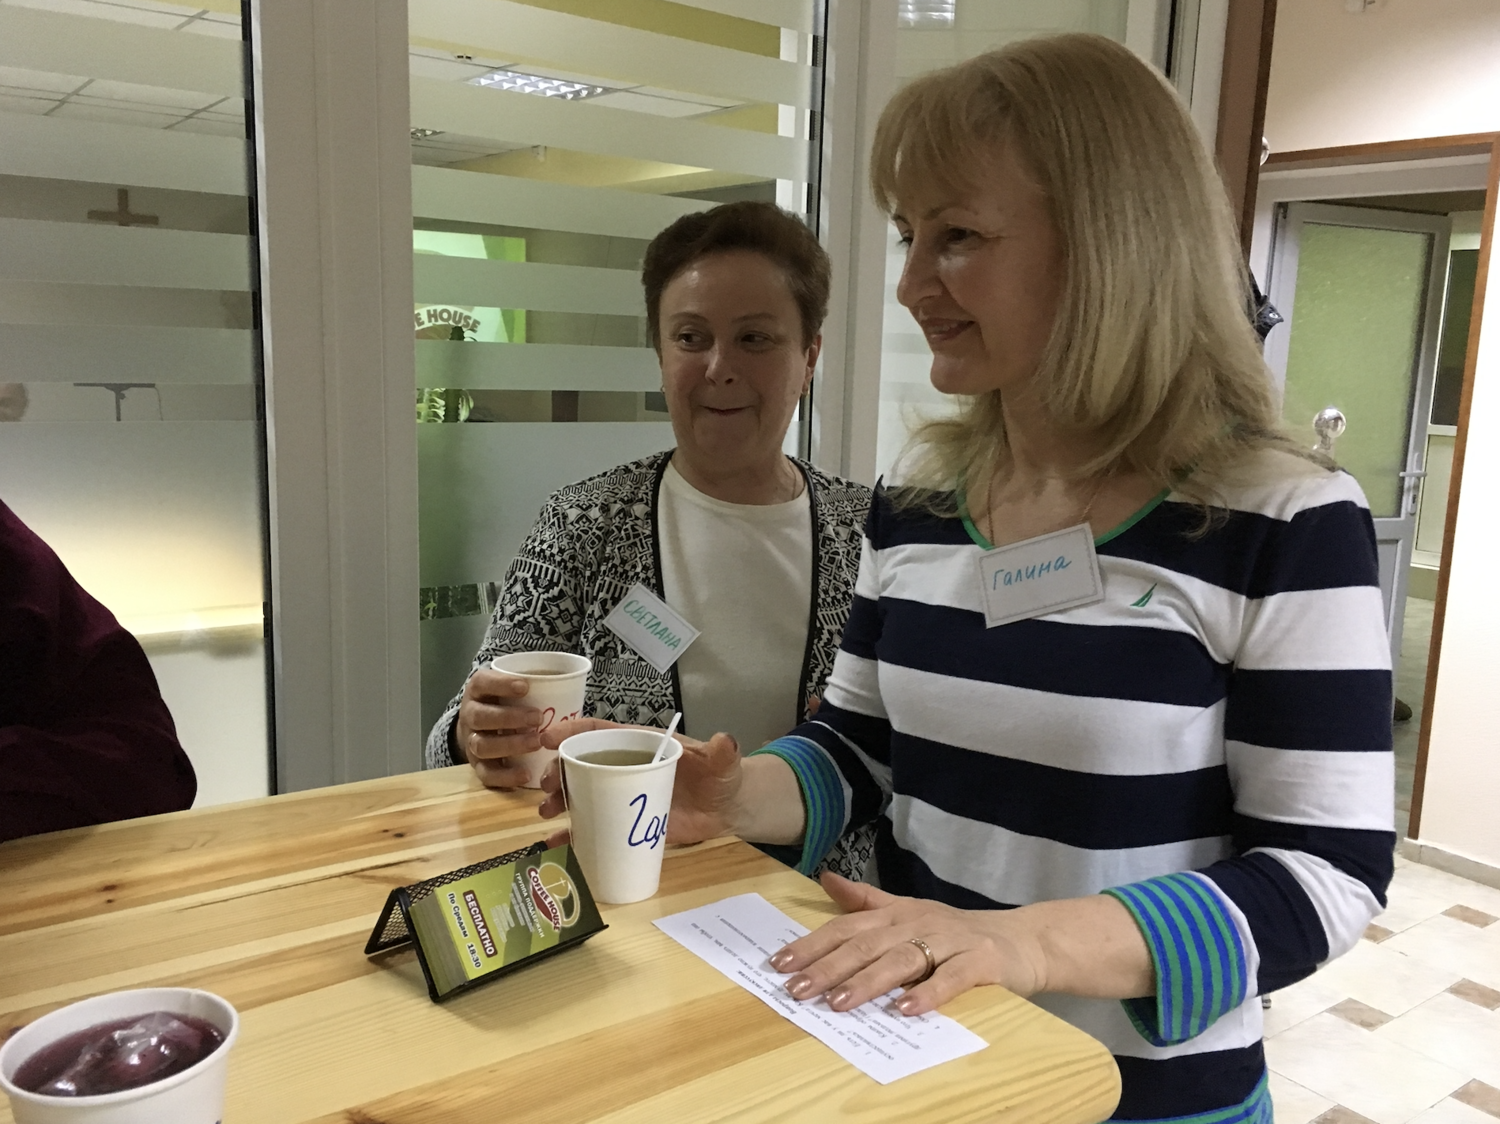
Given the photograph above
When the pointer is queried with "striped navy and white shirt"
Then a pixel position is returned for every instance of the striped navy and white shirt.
(1211, 744)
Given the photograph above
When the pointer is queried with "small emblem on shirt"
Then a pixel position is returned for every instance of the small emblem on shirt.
(1144, 599)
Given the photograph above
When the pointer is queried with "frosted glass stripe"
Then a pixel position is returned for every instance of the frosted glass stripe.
(478, 197)
(120, 155)
(797, 14)
(524, 119)
(151, 518)
(627, 55)
(98, 254)
(537, 287)
(120, 52)
(134, 353)
(535, 366)
(493, 479)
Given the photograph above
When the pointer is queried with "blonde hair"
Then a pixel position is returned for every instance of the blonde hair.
(1152, 353)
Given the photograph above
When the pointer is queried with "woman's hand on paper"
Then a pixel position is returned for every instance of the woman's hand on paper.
(1079, 946)
(493, 727)
(703, 795)
(869, 951)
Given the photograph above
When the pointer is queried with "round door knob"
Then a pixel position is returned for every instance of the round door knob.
(1329, 423)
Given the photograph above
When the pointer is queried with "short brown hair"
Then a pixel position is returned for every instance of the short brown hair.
(761, 228)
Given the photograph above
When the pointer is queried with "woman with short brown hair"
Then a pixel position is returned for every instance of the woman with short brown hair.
(755, 549)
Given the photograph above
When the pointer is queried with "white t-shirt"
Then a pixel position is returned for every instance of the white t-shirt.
(742, 575)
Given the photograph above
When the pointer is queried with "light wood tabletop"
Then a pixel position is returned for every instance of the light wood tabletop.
(268, 903)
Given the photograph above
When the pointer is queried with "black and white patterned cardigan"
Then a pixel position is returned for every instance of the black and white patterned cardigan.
(598, 537)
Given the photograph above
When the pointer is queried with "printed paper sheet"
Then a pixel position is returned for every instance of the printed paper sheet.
(738, 935)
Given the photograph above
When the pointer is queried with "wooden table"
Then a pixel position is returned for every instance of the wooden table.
(268, 903)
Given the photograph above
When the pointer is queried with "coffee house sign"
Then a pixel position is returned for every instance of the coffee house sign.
(435, 315)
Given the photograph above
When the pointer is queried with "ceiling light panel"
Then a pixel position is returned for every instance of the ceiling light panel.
(521, 83)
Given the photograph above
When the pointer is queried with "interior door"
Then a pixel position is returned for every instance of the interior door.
(1362, 293)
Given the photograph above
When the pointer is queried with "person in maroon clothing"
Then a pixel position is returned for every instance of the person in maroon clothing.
(85, 737)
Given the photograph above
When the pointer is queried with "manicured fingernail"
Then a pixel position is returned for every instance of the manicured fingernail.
(838, 998)
(799, 988)
(781, 960)
(906, 1004)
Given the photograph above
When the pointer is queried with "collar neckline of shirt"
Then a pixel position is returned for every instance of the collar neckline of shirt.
(1099, 540)
(681, 488)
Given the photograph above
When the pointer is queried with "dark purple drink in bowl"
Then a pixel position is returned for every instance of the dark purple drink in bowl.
(119, 1055)
(129, 1057)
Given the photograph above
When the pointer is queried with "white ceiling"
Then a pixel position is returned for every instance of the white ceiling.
(52, 94)
(172, 17)
(123, 103)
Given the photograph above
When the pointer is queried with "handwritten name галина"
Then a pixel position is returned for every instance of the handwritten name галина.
(1028, 573)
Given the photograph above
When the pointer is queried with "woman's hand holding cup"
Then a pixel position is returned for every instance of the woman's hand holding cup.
(704, 795)
(494, 727)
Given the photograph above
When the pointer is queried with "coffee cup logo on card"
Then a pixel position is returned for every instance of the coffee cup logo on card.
(1043, 575)
(554, 895)
(652, 627)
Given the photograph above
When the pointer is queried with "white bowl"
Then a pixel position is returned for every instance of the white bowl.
(194, 1096)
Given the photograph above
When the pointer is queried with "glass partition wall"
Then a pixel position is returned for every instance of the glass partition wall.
(131, 441)
(548, 147)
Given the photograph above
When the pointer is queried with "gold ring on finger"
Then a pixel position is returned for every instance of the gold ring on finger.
(931, 961)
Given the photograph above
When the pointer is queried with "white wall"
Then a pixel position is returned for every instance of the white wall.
(1463, 765)
(1406, 69)
(1401, 69)
(214, 684)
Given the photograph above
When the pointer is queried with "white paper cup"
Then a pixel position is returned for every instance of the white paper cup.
(194, 1096)
(619, 812)
(555, 685)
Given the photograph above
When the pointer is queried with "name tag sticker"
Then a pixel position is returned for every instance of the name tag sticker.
(1043, 575)
(651, 626)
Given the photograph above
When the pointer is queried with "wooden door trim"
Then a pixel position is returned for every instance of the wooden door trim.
(1460, 446)
(1243, 83)
(1419, 148)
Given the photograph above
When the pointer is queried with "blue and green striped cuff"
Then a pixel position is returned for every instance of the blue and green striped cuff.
(822, 795)
(1201, 970)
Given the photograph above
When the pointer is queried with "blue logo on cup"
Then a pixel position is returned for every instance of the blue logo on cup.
(653, 833)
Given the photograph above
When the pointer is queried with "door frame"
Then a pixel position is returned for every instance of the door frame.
(1395, 167)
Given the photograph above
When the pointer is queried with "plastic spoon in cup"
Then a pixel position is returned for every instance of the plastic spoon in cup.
(666, 739)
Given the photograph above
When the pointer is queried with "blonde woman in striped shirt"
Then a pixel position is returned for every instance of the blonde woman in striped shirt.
(1115, 689)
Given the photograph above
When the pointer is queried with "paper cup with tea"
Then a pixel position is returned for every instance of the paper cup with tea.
(127, 1057)
(618, 801)
(555, 683)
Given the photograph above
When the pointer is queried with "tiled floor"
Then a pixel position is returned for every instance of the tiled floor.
(1404, 1027)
